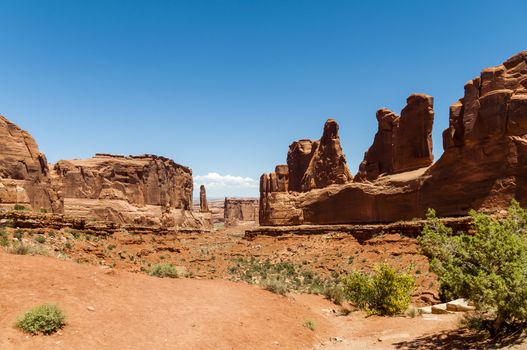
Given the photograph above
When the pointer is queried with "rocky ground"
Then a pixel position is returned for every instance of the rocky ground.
(101, 281)
(212, 255)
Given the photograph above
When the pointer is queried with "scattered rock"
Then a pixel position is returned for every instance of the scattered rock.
(460, 305)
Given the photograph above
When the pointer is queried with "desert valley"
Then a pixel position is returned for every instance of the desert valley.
(282, 271)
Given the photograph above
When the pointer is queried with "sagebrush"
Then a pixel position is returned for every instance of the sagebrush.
(45, 319)
(164, 270)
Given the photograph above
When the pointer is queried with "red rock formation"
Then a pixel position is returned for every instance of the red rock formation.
(401, 143)
(484, 165)
(203, 206)
(136, 189)
(240, 210)
(413, 137)
(298, 159)
(24, 170)
(328, 163)
(380, 156)
(310, 165)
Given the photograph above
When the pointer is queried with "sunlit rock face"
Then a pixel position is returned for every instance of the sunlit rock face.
(484, 164)
(24, 171)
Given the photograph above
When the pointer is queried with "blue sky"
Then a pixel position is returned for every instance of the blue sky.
(225, 86)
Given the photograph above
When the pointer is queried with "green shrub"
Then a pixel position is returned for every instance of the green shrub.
(309, 324)
(488, 267)
(19, 207)
(43, 210)
(18, 234)
(385, 292)
(164, 270)
(293, 277)
(40, 239)
(45, 319)
(4, 239)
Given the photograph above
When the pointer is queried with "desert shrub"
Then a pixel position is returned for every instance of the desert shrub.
(334, 293)
(275, 286)
(19, 249)
(19, 207)
(309, 324)
(164, 270)
(18, 234)
(43, 210)
(488, 267)
(4, 239)
(290, 277)
(45, 319)
(40, 239)
(385, 292)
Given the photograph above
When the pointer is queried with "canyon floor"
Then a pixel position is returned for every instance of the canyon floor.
(111, 303)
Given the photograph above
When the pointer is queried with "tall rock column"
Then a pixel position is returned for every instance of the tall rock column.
(203, 206)
(328, 163)
(413, 139)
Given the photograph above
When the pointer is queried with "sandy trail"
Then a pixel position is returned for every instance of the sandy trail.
(135, 311)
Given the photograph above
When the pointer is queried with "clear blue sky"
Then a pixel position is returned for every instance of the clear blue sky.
(225, 86)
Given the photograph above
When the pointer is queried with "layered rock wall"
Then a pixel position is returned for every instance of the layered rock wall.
(136, 189)
(24, 171)
(483, 167)
(240, 210)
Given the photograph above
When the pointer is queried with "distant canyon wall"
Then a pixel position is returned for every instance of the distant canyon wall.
(240, 210)
(140, 190)
(484, 164)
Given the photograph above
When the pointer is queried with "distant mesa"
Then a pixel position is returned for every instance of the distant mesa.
(240, 211)
(484, 164)
(139, 190)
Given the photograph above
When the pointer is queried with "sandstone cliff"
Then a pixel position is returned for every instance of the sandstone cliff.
(136, 189)
(401, 143)
(24, 171)
(484, 165)
(240, 210)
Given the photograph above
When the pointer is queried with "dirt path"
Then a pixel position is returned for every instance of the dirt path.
(135, 311)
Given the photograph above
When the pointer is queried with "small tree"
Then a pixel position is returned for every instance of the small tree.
(488, 267)
(385, 292)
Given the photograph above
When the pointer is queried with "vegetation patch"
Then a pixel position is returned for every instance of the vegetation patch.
(4, 239)
(385, 292)
(309, 324)
(488, 267)
(43, 319)
(281, 277)
(163, 270)
(19, 207)
(40, 239)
